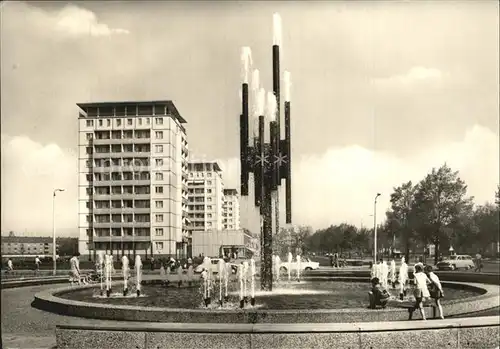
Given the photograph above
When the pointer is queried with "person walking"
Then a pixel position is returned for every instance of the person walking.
(478, 262)
(10, 266)
(75, 275)
(421, 292)
(37, 264)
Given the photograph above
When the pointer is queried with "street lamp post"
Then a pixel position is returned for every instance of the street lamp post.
(375, 228)
(54, 229)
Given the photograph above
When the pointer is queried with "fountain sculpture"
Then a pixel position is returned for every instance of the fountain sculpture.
(100, 270)
(180, 274)
(241, 281)
(190, 272)
(289, 269)
(298, 267)
(392, 273)
(269, 157)
(252, 281)
(125, 273)
(138, 274)
(384, 271)
(221, 275)
(206, 280)
(403, 277)
(277, 267)
(108, 271)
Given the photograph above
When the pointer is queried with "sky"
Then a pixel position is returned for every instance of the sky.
(381, 93)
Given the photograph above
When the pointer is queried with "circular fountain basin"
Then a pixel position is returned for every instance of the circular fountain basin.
(324, 294)
(314, 300)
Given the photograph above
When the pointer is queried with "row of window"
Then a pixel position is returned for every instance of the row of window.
(125, 134)
(127, 231)
(125, 218)
(135, 162)
(128, 122)
(101, 232)
(199, 191)
(199, 207)
(199, 174)
(41, 244)
(125, 148)
(27, 249)
(119, 148)
(129, 189)
(129, 110)
(105, 204)
(127, 176)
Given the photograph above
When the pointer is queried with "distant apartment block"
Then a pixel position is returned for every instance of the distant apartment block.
(205, 196)
(132, 179)
(231, 210)
(26, 246)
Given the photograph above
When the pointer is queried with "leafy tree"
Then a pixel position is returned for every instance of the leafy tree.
(292, 239)
(402, 215)
(486, 218)
(439, 198)
(463, 230)
(497, 196)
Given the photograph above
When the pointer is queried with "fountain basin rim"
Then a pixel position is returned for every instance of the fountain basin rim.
(136, 326)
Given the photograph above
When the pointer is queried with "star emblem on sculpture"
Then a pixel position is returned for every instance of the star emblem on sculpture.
(280, 159)
(261, 160)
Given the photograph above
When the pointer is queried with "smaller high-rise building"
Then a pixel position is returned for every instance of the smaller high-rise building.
(205, 196)
(231, 210)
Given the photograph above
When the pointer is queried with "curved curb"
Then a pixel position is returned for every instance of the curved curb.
(32, 282)
(48, 301)
(36, 282)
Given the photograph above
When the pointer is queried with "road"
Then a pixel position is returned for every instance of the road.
(24, 326)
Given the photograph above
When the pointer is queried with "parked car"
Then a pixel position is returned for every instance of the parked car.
(305, 264)
(456, 262)
(214, 266)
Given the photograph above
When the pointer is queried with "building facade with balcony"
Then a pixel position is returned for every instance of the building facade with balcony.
(231, 210)
(133, 161)
(205, 196)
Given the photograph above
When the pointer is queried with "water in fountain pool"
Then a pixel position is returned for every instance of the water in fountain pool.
(304, 295)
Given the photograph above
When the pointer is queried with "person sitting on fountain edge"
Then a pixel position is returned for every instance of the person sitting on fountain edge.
(378, 295)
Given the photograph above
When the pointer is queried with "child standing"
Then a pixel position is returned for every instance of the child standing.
(436, 290)
(421, 291)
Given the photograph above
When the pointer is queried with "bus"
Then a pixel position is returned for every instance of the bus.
(236, 251)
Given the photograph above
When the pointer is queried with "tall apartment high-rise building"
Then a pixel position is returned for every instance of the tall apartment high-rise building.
(133, 161)
(231, 210)
(205, 196)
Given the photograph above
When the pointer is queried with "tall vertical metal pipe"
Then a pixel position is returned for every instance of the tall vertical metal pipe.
(274, 165)
(244, 140)
(288, 165)
(276, 178)
(267, 226)
(259, 171)
(276, 85)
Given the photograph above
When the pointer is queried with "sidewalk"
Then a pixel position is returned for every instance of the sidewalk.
(19, 341)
